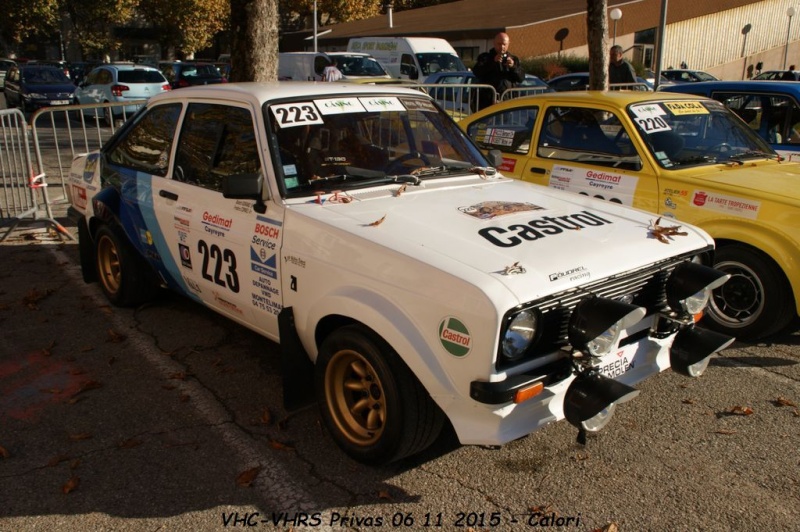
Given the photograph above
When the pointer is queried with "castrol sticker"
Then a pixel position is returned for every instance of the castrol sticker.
(454, 337)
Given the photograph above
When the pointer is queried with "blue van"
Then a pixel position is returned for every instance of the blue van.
(770, 108)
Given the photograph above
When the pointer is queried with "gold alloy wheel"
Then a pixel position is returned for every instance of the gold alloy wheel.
(108, 264)
(355, 398)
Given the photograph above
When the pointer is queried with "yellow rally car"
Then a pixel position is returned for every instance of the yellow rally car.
(679, 156)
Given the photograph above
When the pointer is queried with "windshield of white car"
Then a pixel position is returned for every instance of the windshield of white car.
(695, 133)
(357, 141)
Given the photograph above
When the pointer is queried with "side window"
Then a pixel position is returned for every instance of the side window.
(775, 118)
(509, 131)
(146, 146)
(408, 66)
(216, 141)
(582, 134)
(320, 63)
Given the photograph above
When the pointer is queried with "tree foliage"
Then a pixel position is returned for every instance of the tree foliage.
(186, 25)
(26, 18)
(92, 22)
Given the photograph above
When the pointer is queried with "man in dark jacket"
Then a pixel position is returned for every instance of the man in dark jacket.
(619, 70)
(497, 68)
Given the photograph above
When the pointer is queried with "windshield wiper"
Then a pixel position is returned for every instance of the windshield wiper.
(695, 159)
(616, 159)
(752, 154)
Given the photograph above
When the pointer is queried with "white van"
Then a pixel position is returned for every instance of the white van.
(413, 58)
(302, 66)
(309, 66)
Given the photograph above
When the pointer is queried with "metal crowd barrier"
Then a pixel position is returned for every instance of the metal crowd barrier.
(61, 133)
(23, 188)
(31, 152)
(460, 100)
(520, 92)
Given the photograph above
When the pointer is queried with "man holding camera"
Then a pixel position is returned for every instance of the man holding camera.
(497, 68)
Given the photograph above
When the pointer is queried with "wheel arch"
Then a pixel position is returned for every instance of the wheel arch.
(352, 304)
(778, 248)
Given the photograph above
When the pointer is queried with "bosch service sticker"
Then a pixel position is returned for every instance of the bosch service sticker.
(454, 337)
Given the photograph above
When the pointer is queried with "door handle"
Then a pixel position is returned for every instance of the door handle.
(535, 170)
(167, 194)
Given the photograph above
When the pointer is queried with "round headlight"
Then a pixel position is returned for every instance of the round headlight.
(519, 334)
(603, 343)
(696, 302)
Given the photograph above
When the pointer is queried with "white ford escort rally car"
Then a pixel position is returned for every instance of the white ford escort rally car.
(407, 282)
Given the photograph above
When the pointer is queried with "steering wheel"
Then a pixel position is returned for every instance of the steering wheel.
(721, 147)
(395, 165)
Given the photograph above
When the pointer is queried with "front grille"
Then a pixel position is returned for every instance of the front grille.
(646, 287)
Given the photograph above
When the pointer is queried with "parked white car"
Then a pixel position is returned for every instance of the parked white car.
(114, 83)
(406, 281)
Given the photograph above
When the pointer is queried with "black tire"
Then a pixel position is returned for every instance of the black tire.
(756, 301)
(373, 406)
(124, 276)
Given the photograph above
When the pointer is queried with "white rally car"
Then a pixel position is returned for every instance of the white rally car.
(407, 282)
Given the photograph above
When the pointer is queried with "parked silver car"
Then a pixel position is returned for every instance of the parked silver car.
(120, 83)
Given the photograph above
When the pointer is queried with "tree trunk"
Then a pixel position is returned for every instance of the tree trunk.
(254, 47)
(597, 34)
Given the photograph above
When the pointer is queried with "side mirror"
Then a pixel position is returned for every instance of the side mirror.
(245, 186)
(495, 158)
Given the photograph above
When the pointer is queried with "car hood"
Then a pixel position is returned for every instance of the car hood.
(50, 87)
(489, 228)
(762, 180)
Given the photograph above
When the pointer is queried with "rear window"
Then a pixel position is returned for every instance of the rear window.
(140, 76)
(204, 71)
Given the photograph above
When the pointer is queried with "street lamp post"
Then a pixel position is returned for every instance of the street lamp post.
(615, 15)
(790, 14)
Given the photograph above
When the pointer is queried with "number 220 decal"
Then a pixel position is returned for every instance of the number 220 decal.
(651, 124)
(296, 114)
(216, 259)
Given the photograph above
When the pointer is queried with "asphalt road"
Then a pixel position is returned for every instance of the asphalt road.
(168, 417)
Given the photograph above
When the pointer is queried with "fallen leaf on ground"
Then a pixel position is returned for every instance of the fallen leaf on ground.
(86, 386)
(782, 401)
(71, 484)
(54, 461)
(280, 446)
(385, 495)
(246, 478)
(114, 337)
(4, 452)
(610, 527)
(741, 410)
(47, 351)
(130, 443)
(266, 417)
(80, 436)
(688, 401)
